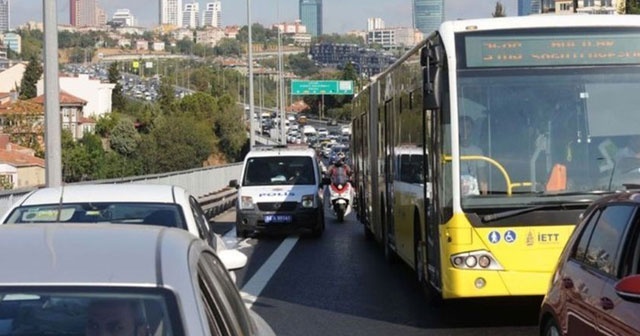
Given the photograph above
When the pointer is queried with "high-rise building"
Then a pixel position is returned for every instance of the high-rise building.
(374, 23)
(310, 13)
(124, 18)
(190, 15)
(212, 14)
(171, 12)
(4, 15)
(524, 7)
(427, 15)
(83, 13)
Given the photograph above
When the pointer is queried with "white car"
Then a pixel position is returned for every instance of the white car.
(148, 204)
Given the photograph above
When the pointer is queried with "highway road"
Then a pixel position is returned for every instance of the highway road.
(340, 284)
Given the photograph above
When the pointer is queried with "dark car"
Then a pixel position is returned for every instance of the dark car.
(595, 289)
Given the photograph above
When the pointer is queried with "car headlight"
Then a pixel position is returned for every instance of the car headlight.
(307, 201)
(246, 202)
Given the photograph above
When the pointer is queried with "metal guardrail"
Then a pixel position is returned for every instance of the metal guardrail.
(208, 184)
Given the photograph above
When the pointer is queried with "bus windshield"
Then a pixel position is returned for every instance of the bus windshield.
(530, 133)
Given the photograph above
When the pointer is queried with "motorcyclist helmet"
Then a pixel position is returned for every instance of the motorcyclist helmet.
(340, 158)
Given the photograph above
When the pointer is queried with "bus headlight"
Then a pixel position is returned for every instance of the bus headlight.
(475, 260)
(246, 202)
(484, 261)
(307, 201)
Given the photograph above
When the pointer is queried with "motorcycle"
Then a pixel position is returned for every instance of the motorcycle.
(341, 196)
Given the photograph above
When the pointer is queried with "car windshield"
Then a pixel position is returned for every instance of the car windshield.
(51, 312)
(163, 214)
(279, 170)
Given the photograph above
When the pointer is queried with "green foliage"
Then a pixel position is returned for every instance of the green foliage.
(32, 43)
(499, 11)
(175, 143)
(200, 106)
(228, 47)
(32, 74)
(229, 129)
(302, 66)
(166, 95)
(124, 137)
(5, 182)
(118, 101)
(106, 123)
(632, 7)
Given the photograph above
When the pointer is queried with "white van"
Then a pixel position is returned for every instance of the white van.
(280, 189)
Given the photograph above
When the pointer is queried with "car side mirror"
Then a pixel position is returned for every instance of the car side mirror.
(629, 288)
(232, 259)
(234, 184)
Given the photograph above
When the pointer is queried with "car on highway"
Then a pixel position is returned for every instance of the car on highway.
(116, 279)
(280, 189)
(595, 289)
(164, 205)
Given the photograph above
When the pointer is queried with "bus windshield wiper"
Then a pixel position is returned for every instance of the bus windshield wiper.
(516, 212)
(578, 193)
(511, 213)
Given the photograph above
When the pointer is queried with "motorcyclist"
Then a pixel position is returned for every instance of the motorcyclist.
(340, 170)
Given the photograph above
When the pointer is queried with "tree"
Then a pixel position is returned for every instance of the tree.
(175, 143)
(166, 95)
(228, 47)
(118, 102)
(499, 11)
(631, 7)
(302, 66)
(229, 130)
(124, 138)
(32, 74)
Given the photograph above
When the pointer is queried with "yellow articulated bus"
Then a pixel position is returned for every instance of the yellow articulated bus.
(516, 126)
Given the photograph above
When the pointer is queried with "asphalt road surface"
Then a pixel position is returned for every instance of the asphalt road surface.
(340, 284)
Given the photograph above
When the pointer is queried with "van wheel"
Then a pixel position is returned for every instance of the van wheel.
(319, 229)
(243, 234)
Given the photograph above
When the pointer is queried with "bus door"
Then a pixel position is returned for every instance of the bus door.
(432, 57)
(388, 119)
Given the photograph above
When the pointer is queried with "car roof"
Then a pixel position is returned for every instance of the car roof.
(280, 151)
(147, 193)
(91, 254)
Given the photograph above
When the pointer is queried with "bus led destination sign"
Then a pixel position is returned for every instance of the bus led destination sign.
(583, 49)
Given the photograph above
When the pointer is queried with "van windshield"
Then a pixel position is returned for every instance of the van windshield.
(279, 170)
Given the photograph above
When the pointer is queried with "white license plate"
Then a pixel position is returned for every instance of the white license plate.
(277, 219)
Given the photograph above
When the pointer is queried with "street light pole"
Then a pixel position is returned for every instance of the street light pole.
(283, 116)
(252, 141)
(53, 127)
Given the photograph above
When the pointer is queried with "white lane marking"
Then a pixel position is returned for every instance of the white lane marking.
(256, 284)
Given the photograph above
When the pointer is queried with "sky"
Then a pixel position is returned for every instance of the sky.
(340, 16)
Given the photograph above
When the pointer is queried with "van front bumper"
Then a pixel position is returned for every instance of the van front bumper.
(254, 220)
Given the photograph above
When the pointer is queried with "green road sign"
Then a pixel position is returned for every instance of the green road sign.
(321, 87)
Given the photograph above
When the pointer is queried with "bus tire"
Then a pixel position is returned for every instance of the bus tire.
(368, 235)
(433, 297)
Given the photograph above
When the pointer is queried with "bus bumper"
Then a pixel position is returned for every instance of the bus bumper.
(471, 283)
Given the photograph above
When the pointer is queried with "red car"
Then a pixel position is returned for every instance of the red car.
(595, 289)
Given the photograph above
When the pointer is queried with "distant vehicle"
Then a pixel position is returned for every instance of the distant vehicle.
(279, 189)
(302, 119)
(596, 285)
(134, 204)
(332, 122)
(90, 279)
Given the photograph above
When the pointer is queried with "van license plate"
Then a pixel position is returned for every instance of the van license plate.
(277, 218)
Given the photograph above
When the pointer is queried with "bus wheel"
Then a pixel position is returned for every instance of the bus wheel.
(434, 298)
(368, 235)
